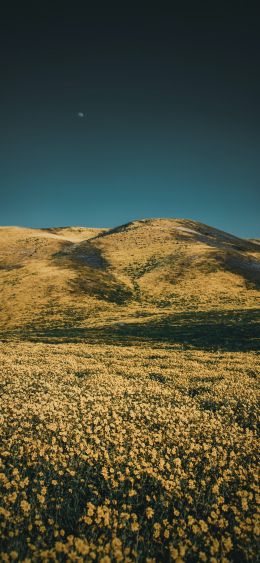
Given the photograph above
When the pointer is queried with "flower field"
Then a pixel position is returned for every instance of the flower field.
(128, 453)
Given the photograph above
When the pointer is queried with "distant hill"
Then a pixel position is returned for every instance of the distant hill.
(83, 278)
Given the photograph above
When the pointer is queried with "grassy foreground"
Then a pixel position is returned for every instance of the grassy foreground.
(128, 453)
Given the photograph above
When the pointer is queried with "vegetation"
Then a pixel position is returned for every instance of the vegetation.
(112, 276)
(129, 394)
(128, 453)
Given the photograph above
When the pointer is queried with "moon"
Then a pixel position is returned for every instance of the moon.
(80, 114)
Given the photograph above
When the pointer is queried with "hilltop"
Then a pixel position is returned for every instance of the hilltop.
(70, 278)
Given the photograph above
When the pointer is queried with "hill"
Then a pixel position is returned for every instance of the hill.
(129, 394)
(142, 276)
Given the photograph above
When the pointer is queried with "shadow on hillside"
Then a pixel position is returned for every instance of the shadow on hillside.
(229, 256)
(223, 330)
(230, 330)
(93, 276)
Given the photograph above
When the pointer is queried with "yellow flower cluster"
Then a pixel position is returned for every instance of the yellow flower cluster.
(128, 453)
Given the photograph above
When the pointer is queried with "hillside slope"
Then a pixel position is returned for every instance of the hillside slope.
(77, 278)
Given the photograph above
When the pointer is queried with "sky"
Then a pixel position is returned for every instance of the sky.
(111, 112)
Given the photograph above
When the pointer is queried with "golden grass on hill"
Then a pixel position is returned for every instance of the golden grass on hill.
(129, 397)
(93, 277)
(138, 453)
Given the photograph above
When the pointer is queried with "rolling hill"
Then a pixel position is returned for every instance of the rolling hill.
(129, 394)
(139, 278)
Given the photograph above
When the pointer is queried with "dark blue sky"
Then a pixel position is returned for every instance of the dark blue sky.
(171, 104)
